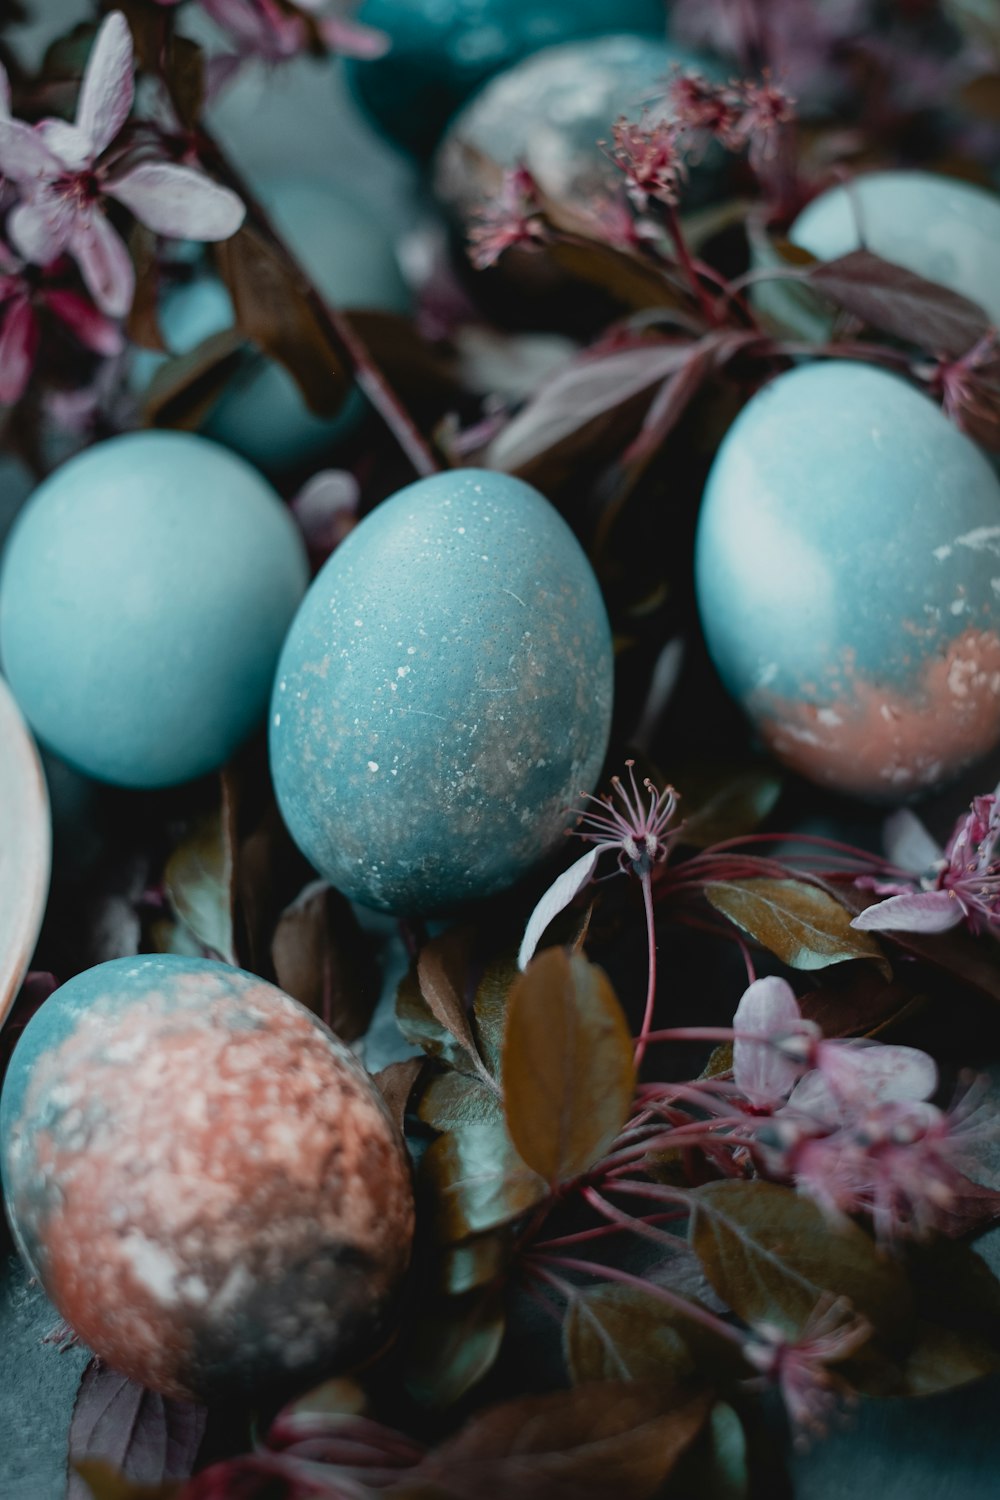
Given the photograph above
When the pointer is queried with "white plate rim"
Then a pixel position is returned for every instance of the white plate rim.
(25, 848)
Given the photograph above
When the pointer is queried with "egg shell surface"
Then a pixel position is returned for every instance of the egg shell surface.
(444, 695)
(203, 1177)
(937, 227)
(261, 414)
(442, 50)
(550, 111)
(145, 592)
(848, 578)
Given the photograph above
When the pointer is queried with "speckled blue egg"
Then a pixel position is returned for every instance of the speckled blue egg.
(551, 110)
(442, 50)
(145, 592)
(945, 230)
(261, 413)
(203, 1178)
(848, 579)
(444, 695)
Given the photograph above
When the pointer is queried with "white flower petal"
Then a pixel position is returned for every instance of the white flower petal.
(178, 202)
(558, 896)
(908, 844)
(925, 911)
(108, 86)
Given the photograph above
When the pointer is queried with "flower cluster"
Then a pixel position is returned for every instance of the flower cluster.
(68, 179)
(275, 32)
(958, 884)
(800, 1367)
(515, 218)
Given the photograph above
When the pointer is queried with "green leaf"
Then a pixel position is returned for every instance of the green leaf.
(725, 802)
(619, 1333)
(489, 1010)
(452, 1345)
(475, 1263)
(200, 883)
(478, 1181)
(567, 1065)
(453, 1099)
(585, 1444)
(318, 953)
(943, 1358)
(421, 1027)
(442, 967)
(800, 923)
(771, 1254)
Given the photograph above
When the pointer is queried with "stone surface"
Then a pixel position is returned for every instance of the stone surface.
(848, 579)
(203, 1177)
(145, 592)
(442, 50)
(550, 112)
(444, 695)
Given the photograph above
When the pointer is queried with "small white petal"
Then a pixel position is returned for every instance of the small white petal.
(558, 896)
(908, 844)
(108, 86)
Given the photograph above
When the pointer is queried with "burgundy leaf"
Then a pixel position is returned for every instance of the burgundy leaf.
(146, 1436)
(898, 302)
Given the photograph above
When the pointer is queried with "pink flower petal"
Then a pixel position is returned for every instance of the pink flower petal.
(868, 1073)
(40, 229)
(68, 143)
(5, 94)
(91, 327)
(558, 896)
(18, 345)
(24, 156)
(926, 911)
(104, 263)
(108, 86)
(350, 39)
(768, 1008)
(908, 844)
(178, 202)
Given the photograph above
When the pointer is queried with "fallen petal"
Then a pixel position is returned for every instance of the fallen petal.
(558, 896)
(108, 86)
(178, 202)
(925, 911)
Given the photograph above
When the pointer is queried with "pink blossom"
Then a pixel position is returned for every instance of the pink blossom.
(276, 32)
(648, 153)
(22, 296)
(959, 884)
(763, 1072)
(800, 1367)
(706, 110)
(765, 109)
(969, 389)
(64, 179)
(513, 219)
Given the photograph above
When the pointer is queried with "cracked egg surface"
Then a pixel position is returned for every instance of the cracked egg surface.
(444, 695)
(848, 579)
(203, 1178)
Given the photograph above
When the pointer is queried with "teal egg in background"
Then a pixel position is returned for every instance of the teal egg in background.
(443, 50)
(261, 413)
(145, 591)
(444, 695)
(551, 110)
(938, 227)
(848, 578)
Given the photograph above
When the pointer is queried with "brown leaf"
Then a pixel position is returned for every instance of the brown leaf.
(319, 952)
(489, 1010)
(943, 1358)
(417, 370)
(801, 923)
(452, 1345)
(475, 1262)
(143, 323)
(199, 881)
(619, 1333)
(142, 1438)
(395, 1084)
(442, 967)
(567, 1065)
(273, 309)
(184, 76)
(100, 1480)
(982, 95)
(184, 389)
(585, 1444)
(478, 1181)
(898, 302)
(421, 1027)
(723, 801)
(771, 1254)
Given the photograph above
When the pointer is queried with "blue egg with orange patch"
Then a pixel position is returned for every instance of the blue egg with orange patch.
(145, 592)
(444, 49)
(203, 1178)
(444, 695)
(848, 580)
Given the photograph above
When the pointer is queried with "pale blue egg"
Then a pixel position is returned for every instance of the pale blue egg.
(145, 592)
(848, 580)
(939, 228)
(261, 413)
(444, 695)
(551, 111)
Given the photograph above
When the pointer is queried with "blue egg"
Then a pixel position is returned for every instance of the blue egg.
(945, 230)
(146, 590)
(442, 50)
(550, 112)
(848, 578)
(261, 413)
(204, 1179)
(444, 695)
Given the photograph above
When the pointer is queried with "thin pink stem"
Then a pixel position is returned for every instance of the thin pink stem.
(647, 1019)
(650, 1288)
(602, 1231)
(629, 1222)
(695, 282)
